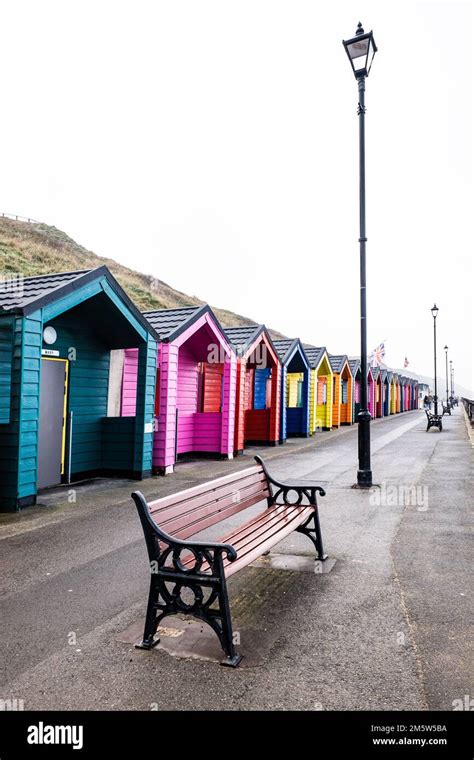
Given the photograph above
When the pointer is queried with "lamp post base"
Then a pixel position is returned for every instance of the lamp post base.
(364, 473)
(364, 479)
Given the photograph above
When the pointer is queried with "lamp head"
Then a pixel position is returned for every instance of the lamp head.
(360, 51)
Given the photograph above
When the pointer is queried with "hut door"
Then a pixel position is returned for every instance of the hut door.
(52, 422)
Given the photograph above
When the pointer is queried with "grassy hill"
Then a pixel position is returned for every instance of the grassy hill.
(34, 248)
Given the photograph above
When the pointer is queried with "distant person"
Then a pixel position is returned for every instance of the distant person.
(426, 402)
(430, 401)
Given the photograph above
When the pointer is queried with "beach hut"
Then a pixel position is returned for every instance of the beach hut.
(414, 394)
(342, 391)
(378, 391)
(370, 392)
(409, 391)
(355, 369)
(356, 375)
(320, 388)
(257, 406)
(393, 392)
(404, 402)
(294, 399)
(398, 392)
(401, 385)
(387, 400)
(195, 386)
(60, 419)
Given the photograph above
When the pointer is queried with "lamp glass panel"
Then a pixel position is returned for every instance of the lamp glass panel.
(370, 56)
(357, 52)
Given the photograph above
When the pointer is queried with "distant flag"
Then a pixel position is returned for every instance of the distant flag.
(378, 355)
(405, 363)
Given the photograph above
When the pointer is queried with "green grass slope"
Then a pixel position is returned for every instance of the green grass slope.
(34, 248)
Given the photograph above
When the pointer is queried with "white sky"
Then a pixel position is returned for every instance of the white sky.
(214, 144)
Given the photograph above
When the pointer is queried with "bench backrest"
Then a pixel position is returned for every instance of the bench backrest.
(188, 512)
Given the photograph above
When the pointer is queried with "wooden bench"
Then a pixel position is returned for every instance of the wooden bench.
(446, 409)
(433, 420)
(189, 576)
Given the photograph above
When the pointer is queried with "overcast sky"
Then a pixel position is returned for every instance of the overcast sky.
(214, 144)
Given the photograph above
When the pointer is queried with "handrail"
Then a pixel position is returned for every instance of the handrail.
(469, 407)
(18, 218)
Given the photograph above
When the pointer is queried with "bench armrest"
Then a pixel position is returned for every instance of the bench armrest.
(305, 489)
(152, 530)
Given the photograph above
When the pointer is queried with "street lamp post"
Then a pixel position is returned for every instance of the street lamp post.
(451, 372)
(360, 51)
(447, 384)
(434, 312)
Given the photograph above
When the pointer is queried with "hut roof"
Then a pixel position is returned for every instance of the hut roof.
(169, 323)
(337, 362)
(285, 348)
(314, 354)
(17, 294)
(32, 293)
(243, 335)
(354, 364)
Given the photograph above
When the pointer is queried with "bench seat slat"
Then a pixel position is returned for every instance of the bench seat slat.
(297, 516)
(196, 520)
(260, 533)
(213, 487)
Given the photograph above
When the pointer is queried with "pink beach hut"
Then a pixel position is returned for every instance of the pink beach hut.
(371, 392)
(195, 386)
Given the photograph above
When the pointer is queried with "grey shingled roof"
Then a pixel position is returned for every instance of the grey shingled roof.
(354, 364)
(17, 294)
(314, 354)
(36, 292)
(283, 347)
(243, 335)
(168, 323)
(337, 362)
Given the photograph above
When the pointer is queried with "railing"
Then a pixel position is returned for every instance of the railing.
(469, 407)
(18, 218)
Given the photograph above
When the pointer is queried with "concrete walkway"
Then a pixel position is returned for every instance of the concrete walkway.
(386, 628)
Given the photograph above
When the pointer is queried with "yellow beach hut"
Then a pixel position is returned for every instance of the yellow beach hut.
(321, 388)
(393, 392)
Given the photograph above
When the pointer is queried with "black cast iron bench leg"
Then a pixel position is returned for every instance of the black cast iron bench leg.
(151, 620)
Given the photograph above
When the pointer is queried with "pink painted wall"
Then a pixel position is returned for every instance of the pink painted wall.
(179, 380)
(356, 391)
(371, 395)
(129, 383)
(197, 431)
(164, 438)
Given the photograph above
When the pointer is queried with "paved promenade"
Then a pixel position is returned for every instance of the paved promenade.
(387, 627)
